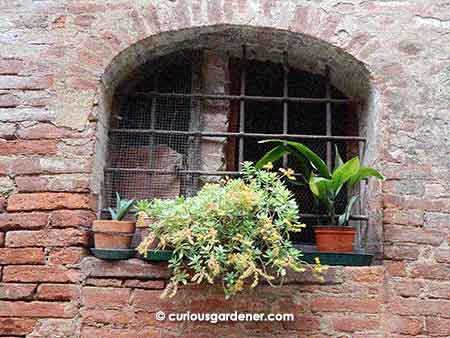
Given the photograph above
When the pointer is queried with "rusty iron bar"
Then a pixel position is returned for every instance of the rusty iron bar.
(285, 103)
(242, 107)
(243, 97)
(242, 135)
(328, 122)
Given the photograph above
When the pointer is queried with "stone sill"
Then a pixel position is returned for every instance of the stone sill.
(137, 269)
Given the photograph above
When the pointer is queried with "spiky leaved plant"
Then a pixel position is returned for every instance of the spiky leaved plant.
(123, 206)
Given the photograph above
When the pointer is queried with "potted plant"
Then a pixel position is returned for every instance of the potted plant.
(235, 232)
(115, 233)
(325, 184)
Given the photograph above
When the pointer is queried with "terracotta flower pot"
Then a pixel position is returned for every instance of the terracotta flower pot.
(334, 238)
(110, 234)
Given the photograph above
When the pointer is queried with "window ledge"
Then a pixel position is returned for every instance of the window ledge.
(138, 269)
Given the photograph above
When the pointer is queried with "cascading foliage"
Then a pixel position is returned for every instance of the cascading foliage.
(235, 232)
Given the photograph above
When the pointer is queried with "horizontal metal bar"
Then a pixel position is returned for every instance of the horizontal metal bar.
(252, 135)
(353, 217)
(176, 172)
(244, 97)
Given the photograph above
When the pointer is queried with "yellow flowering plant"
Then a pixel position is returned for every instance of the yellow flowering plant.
(235, 232)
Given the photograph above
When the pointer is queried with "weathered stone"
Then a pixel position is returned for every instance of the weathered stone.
(132, 268)
(25, 114)
(25, 82)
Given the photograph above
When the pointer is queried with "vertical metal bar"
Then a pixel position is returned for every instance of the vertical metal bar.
(328, 115)
(242, 107)
(285, 103)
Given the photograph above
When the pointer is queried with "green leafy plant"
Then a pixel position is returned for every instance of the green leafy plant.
(324, 183)
(235, 232)
(123, 206)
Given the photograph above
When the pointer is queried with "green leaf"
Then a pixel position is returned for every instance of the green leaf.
(343, 219)
(337, 160)
(272, 155)
(310, 155)
(322, 189)
(113, 214)
(364, 172)
(343, 173)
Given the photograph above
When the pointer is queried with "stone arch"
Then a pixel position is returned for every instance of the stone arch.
(306, 52)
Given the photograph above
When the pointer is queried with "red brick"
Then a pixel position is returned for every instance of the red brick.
(71, 218)
(407, 202)
(66, 255)
(24, 166)
(31, 183)
(96, 332)
(151, 284)
(36, 309)
(58, 292)
(46, 238)
(431, 271)
(353, 323)
(32, 273)
(16, 291)
(3, 202)
(396, 269)
(43, 131)
(402, 234)
(48, 201)
(438, 326)
(110, 298)
(442, 255)
(101, 316)
(337, 304)
(37, 147)
(22, 256)
(8, 100)
(103, 282)
(417, 307)
(303, 323)
(11, 66)
(404, 217)
(33, 220)
(405, 325)
(25, 82)
(401, 252)
(16, 326)
(407, 287)
(438, 289)
(372, 274)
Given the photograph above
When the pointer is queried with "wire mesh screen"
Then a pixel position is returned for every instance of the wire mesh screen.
(146, 163)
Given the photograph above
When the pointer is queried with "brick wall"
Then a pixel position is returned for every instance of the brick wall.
(60, 62)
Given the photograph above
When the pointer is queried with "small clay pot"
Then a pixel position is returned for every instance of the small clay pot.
(334, 238)
(110, 234)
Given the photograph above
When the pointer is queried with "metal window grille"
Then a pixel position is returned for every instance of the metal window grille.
(156, 134)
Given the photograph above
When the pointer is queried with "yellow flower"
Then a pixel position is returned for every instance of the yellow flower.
(268, 166)
(289, 173)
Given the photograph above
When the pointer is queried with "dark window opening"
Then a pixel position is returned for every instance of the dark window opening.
(185, 119)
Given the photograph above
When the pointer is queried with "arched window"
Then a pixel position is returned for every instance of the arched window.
(193, 116)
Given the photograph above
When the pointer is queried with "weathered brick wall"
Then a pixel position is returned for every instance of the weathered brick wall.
(56, 76)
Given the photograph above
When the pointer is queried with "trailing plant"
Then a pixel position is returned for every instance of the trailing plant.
(123, 206)
(324, 183)
(235, 232)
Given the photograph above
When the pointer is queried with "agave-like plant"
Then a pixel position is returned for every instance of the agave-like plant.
(122, 208)
(324, 183)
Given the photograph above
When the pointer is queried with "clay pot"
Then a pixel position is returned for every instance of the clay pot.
(110, 234)
(334, 238)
